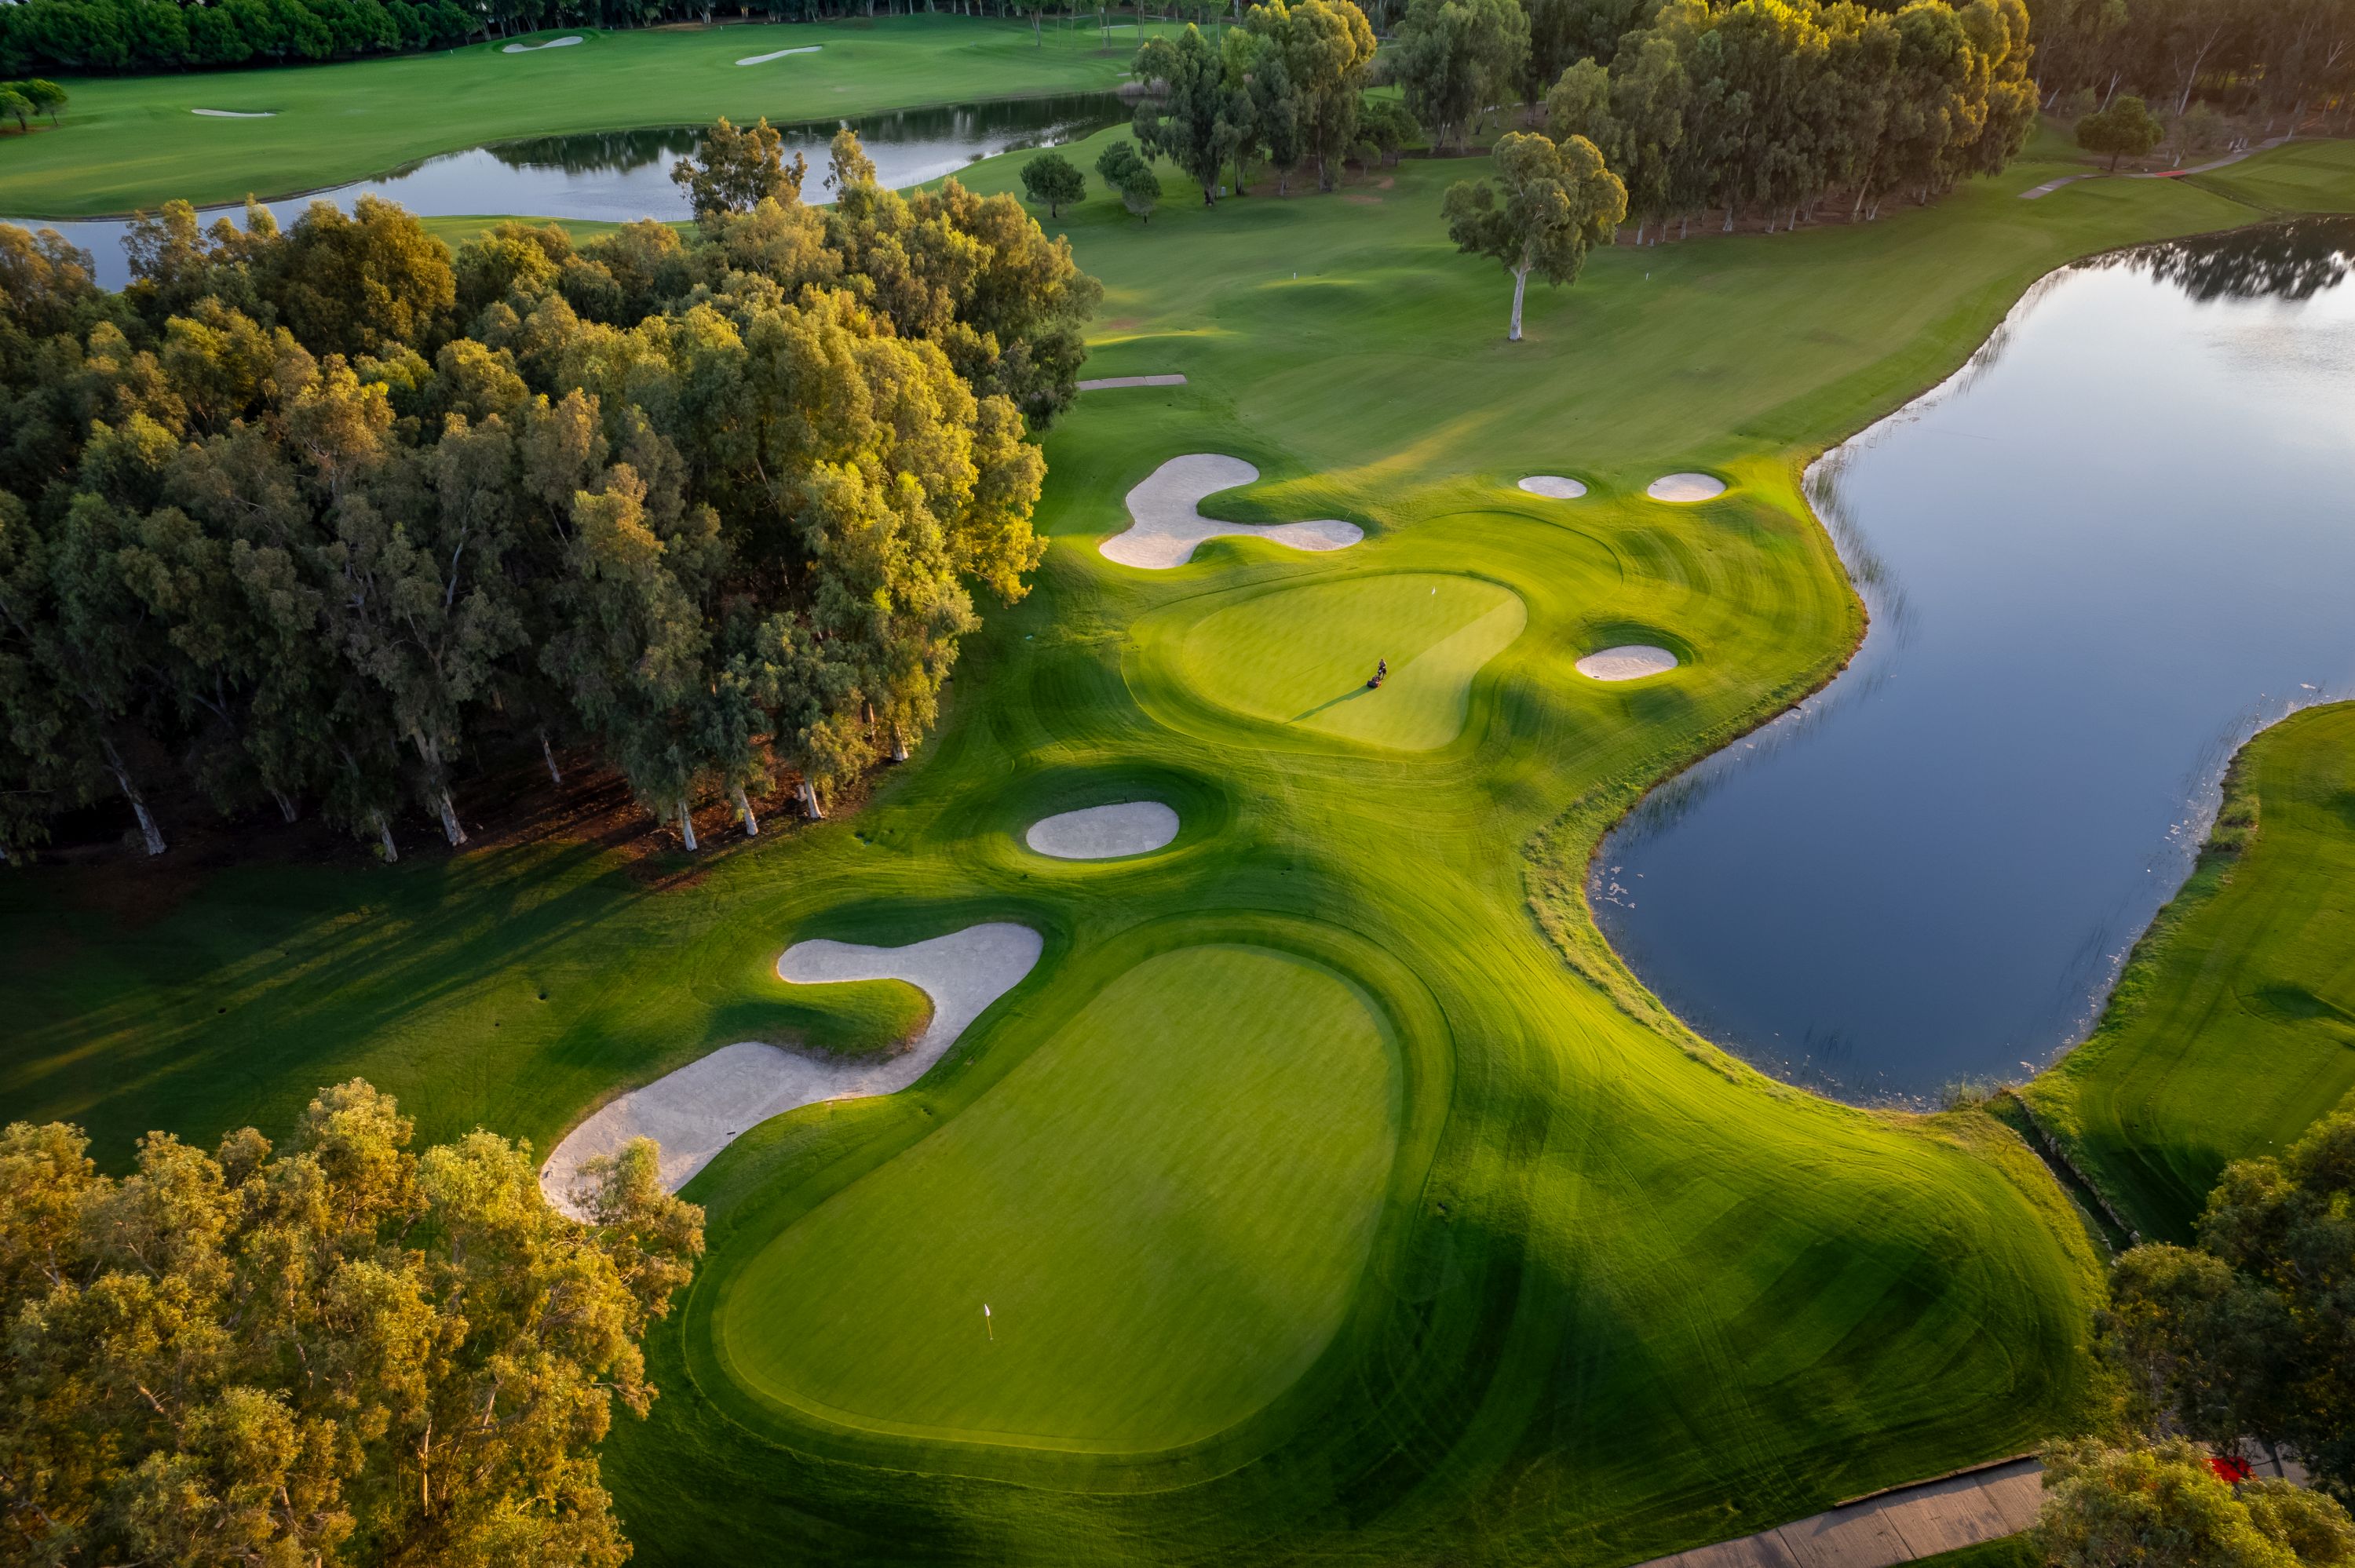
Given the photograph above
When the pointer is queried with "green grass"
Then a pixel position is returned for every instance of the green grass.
(1152, 1280)
(1302, 655)
(1621, 1295)
(131, 142)
(2004, 1551)
(2304, 176)
(2233, 1026)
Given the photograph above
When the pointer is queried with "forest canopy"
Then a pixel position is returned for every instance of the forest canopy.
(303, 519)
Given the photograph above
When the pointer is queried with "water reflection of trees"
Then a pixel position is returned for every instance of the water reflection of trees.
(1028, 120)
(2290, 260)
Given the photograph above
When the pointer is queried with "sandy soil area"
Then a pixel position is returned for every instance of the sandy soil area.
(698, 1110)
(1104, 832)
(1684, 487)
(1167, 525)
(551, 44)
(1631, 662)
(1106, 383)
(1559, 487)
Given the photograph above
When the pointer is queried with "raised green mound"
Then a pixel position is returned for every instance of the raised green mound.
(1166, 1208)
(1302, 655)
(2233, 1027)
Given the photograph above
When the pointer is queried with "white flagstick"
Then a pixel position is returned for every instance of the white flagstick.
(986, 1327)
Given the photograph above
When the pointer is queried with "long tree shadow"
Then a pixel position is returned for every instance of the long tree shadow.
(1349, 696)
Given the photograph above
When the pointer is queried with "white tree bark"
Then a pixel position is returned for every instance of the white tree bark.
(449, 828)
(384, 837)
(1520, 286)
(686, 826)
(148, 829)
(285, 804)
(744, 810)
(809, 803)
(547, 753)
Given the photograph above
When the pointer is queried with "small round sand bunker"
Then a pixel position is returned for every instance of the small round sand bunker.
(1554, 486)
(1631, 662)
(1686, 487)
(1104, 832)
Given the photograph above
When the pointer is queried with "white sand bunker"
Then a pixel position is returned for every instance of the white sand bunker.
(1104, 833)
(551, 44)
(236, 113)
(1631, 662)
(1560, 487)
(1167, 526)
(1106, 383)
(780, 54)
(707, 1105)
(1685, 487)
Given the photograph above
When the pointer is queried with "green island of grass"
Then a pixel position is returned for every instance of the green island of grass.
(2232, 1028)
(1493, 1269)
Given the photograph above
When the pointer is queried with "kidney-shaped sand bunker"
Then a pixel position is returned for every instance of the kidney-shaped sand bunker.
(1167, 1208)
(1104, 832)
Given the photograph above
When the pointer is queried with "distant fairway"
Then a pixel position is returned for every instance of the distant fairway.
(132, 141)
(2234, 1028)
(1301, 656)
(1154, 1276)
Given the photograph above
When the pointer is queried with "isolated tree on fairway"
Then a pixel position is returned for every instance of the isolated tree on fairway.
(1131, 178)
(47, 96)
(736, 169)
(1055, 180)
(2127, 129)
(2159, 1505)
(1551, 203)
(1201, 122)
(337, 1353)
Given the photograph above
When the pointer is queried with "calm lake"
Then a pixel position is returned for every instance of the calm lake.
(2096, 561)
(620, 176)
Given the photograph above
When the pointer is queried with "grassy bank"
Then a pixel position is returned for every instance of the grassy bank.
(132, 141)
(2233, 1026)
(1619, 1295)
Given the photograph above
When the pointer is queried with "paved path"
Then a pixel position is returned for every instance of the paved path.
(1107, 383)
(1891, 1527)
(2049, 186)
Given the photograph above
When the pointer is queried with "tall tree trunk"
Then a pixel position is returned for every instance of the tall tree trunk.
(898, 745)
(548, 755)
(148, 829)
(384, 837)
(285, 804)
(809, 803)
(744, 810)
(686, 825)
(1520, 286)
(449, 828)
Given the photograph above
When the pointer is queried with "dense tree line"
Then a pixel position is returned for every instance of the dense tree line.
(1283, 90)
(301, 518)
(1761, 106)
(338, 1351)
(2280, 62)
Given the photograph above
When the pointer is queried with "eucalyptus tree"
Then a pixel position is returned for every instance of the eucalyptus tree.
(1552, 203)
(1201, 119)
(1323, 48)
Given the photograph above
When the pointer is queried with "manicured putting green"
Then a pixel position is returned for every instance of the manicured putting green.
(1301, 656)
(1166, 1207)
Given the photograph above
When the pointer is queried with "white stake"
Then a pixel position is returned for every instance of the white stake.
(986, 1327)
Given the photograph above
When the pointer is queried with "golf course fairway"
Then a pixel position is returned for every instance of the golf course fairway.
(1302, 656)
(2232, 1029)
(1337, 1192)
(1152, 1280)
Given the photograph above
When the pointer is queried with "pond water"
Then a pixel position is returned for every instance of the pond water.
(620, 176)
(2096, 561)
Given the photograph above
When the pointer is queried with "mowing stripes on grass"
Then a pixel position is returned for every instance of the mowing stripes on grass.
(1154, 1276)
(2233, 1027)
(1301, 656)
